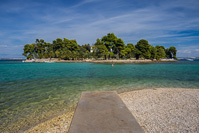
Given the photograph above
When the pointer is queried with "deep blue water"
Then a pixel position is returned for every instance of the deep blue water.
(34, 92)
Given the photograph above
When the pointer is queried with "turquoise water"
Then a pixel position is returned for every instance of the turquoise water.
(31, 93)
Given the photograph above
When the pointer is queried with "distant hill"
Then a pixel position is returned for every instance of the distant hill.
(12, 59)
(188, 58)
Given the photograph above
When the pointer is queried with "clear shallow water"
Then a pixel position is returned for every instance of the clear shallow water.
(34, 92)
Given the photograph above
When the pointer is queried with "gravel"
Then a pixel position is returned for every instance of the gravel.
(164, 109)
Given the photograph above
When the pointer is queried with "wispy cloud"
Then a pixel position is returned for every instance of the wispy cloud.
(3, 46)
(84, 2)
(188, 51)
(160, 22)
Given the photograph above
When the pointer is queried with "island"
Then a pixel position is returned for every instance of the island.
(109, 49)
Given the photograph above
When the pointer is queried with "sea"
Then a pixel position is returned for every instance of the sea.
(31, 93)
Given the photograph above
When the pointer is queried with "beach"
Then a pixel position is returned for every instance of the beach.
(156, 110)
(164, 109)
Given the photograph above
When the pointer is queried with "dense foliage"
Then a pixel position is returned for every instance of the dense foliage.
(108, 47)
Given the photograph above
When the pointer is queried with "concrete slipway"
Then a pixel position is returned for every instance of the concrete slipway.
(103, 112)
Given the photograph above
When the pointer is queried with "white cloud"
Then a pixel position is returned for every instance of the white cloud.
(188, 51)
(160, 23)
(84, 2)
(184, 51)
(3, 46)
(197, 50)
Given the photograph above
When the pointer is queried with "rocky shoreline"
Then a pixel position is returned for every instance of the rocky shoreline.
(58, 124)
(96, 61)
(156, 110)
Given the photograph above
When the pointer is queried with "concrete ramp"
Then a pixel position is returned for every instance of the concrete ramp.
(103, 112)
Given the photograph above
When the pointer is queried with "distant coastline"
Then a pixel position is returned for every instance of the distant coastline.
(12, 59)
(48, 60)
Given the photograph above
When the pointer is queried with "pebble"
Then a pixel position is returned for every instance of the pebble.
(164, 109)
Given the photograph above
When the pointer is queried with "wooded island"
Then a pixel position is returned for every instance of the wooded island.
(108, 47)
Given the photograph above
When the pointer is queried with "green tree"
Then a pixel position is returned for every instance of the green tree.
(48, 50)
(57, 44)
(173, 52)
(168, 53)
(160, 52)
(29, 50)
(26, 50)
(119, 47)
(111, 55)
(109, 41)
(71, 45)
(87, 47)
(58, 53)
(87, 54)
(142, 49)
(123, 53)
(40, 48)
(130, 50)
(113, 44)
(85, 51)
(153, 53)
(100, 50)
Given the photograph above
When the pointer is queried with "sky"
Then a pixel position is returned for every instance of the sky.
(161, 22)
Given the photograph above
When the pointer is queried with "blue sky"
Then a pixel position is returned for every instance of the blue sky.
(167, 23)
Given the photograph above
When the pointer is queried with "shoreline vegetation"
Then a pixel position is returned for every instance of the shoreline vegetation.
(109, 47)
(95, 61)
(156, 110)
